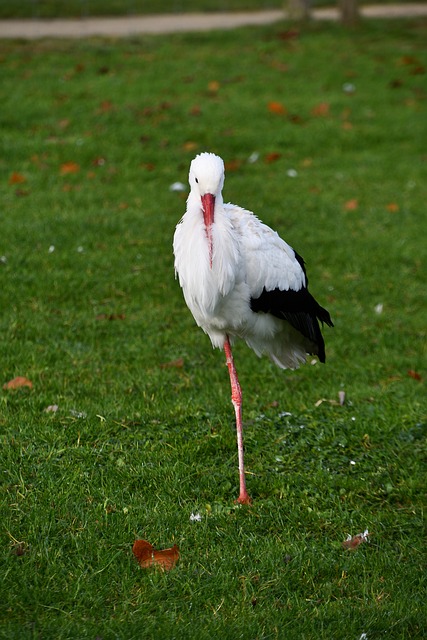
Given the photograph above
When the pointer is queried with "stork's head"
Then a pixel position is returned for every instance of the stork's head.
(207, 174)
(206, 180)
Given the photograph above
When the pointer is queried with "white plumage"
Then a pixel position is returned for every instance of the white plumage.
(241, 280)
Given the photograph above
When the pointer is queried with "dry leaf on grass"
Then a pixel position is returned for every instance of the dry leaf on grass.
(277, 107)
(17, 178)
(17, 383)
(213, 86)
(414, 374)
(20, 549)
(289, 34)
(351, 205)
(272, 157)
(340, 401)
(321, 110)
(69, 167)
(392, 207)
(147, 555)
(110, 316)
(232, 165)
(173, 364)
(105, 106)
(189, 145)
(353, 542)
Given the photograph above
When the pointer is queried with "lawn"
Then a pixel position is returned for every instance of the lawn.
(71, 8)
(128, 428)
(84, 8)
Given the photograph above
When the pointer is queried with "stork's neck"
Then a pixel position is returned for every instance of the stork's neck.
(204, 281)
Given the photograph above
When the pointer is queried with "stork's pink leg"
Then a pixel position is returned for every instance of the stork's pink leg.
(236, 398)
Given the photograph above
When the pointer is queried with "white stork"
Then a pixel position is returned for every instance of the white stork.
(241, 280)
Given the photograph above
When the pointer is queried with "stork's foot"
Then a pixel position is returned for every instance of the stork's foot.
(244, 498)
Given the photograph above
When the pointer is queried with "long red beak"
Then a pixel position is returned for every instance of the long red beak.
(208, 203)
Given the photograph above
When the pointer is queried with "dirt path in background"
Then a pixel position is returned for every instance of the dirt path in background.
(158, 24)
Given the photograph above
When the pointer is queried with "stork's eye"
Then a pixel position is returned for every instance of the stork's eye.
(197, 181)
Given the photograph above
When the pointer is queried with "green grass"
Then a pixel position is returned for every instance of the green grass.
(71, 8)
(135, 447)
(83, 8)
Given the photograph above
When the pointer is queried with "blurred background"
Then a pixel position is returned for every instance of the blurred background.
(86, 8)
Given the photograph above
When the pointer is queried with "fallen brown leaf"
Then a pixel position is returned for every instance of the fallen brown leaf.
(321, 110)
(355, 541)
(278, 108)
(110, 316)
(17, 383)
(20, 549)
(289, 34)
(272, 157)
(69, 167)
(178, 364)
(295, 118)
(233, 165)
(393, 207)
(213, 86)
(408, 60)
(17, 178)
(147, 556)
(414, 374)
(189, 146)
(105, 106)
(148, 166)
(351, 205)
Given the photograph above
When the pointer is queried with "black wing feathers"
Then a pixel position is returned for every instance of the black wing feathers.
(299, 308)
(301, 263)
